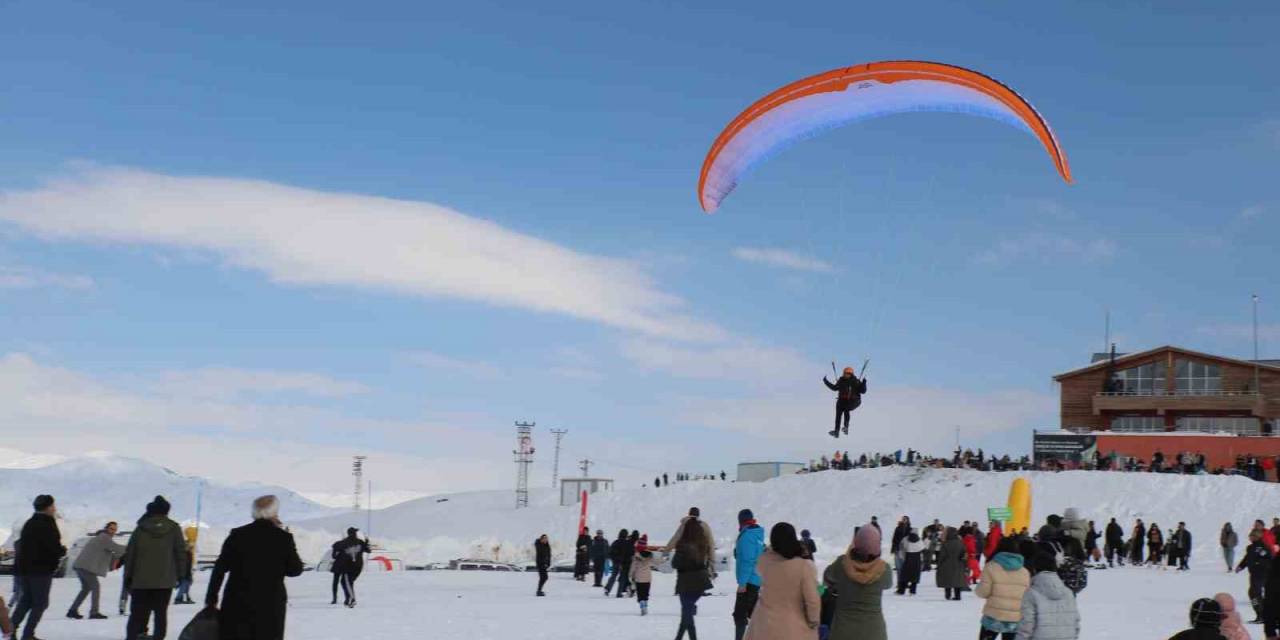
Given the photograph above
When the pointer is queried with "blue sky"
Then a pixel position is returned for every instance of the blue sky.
(521, 238)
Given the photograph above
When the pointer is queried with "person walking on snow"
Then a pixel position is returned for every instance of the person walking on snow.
(692, 561)
(910, 550)
(1004, 581)
(789, 605)
(153, 561)
(599, 556)
(39, 552)
(642, 573)
(952, 572)
(582, 556)
(259, 556)
(746, 552)
(1136, 543)
(348, 562)
(95, 561)
(628, 554)
(994, 536)
(1257, 559)
(849, 389)
(694, 519)
(616, 551)
(1049, 609)
(1115, 543)
(1182, 542)
(1228, 540)
(542, 560)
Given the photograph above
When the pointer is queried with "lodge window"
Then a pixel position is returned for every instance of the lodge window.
(1198, 378)
(1137, 424)
(1218, 424)
(1146, 380)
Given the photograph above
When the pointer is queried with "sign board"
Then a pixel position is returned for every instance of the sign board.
(1064, 447)
(999, 514)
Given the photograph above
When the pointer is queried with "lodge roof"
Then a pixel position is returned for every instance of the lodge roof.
(1272, 365)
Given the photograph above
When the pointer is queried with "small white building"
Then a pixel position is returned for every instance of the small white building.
(571, 488)
(761, 471)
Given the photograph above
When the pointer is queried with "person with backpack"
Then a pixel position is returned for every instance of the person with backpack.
(1206, 622)
(1257, 559)
(1003, 584)
(789, 606)
(153, 562)
(859, 579)
(1228, 540)
(693, 576)
(542, 561)
(642, 573)
(746, 553)
(96, 560)
(694, 519)
(1049, 609)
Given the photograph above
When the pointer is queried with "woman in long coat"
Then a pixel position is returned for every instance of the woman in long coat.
(788, 608)
(859, 578)
(952, 574)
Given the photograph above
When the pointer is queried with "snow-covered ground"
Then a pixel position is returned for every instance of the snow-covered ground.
(1120, 604)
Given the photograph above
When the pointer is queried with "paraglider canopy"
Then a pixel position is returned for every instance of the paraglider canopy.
(849, 94)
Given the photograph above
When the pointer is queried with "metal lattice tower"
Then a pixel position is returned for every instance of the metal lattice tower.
(524, 458)
(585, 465)
(357, 473)
(555, 466)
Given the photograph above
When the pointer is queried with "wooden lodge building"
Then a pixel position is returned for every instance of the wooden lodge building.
(1175, 399)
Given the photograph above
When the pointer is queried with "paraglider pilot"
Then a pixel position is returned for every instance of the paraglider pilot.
(849, 389)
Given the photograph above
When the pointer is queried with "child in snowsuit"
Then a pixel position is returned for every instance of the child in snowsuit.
(849, 390)
(642, 573)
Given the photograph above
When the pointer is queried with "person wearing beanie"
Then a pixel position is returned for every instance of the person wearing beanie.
(39, 550)
(789, 605)
(599, 556)
(746, 552)
(642, 573)
(806, 539)
(859, 578)
(154, 559)
(1206, 622)
(1049, 609)
(1002, 585)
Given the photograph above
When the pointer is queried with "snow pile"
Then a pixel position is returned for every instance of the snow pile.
(96, 488)
(830, 504)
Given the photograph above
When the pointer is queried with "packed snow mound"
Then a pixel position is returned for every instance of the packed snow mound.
(830, 504)
(93, 489)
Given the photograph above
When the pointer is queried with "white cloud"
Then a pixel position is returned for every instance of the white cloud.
(739, 361)
(469, 368)
(1047, 247)
(306, 237)
(27, 278)
(60, 411)
(782, 258)
(220, 382)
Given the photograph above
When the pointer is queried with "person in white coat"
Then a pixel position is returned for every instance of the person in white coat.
(1049, 609)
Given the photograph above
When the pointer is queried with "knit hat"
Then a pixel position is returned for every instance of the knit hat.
(42, 502)
(695, 512)
(804, 534)
(158, 507)
(867, 541)
(1206, 614)
(745, 515)
(642, 544)
(351, 531)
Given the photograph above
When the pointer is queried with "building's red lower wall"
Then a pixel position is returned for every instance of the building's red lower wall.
(1219, 451)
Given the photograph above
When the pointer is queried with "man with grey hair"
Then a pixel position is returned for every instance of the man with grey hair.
(258, 556)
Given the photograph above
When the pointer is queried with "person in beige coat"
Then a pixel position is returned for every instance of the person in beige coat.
(1003, 583)
(642, 573)
(789, 607)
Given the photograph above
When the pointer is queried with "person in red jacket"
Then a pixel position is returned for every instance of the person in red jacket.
(971, 547)
(994, 534)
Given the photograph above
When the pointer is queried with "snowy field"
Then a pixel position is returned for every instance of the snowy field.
(1119, 604)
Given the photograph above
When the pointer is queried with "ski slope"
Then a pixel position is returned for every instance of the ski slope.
(830, 504)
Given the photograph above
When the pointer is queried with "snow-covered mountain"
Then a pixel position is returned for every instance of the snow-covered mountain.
(95, 488)
(830, 504)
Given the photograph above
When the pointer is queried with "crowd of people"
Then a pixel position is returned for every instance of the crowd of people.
(664, 480)
(1029, 582)
(254, 561)
(962, 459)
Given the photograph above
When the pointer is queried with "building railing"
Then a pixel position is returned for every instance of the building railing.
(1178, 394)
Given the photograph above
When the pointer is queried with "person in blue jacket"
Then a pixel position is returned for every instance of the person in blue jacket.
(746, 551)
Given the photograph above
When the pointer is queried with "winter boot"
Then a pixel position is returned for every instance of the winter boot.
(846, 428)
(834, 433)
(97, 616)
(644, 608)
(75, 615)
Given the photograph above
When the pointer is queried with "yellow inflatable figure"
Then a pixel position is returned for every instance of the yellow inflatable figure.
(1019, 506)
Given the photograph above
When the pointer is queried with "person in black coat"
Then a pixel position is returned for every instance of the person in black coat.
(348, 564)
(1114, 543)
(849, 390)
(258, 556)
(542, 560)
(582, 556)
(1181, 542)
(39, 552)
(628, 556)
(599, 556)
(616, 552)
(1257, 559)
